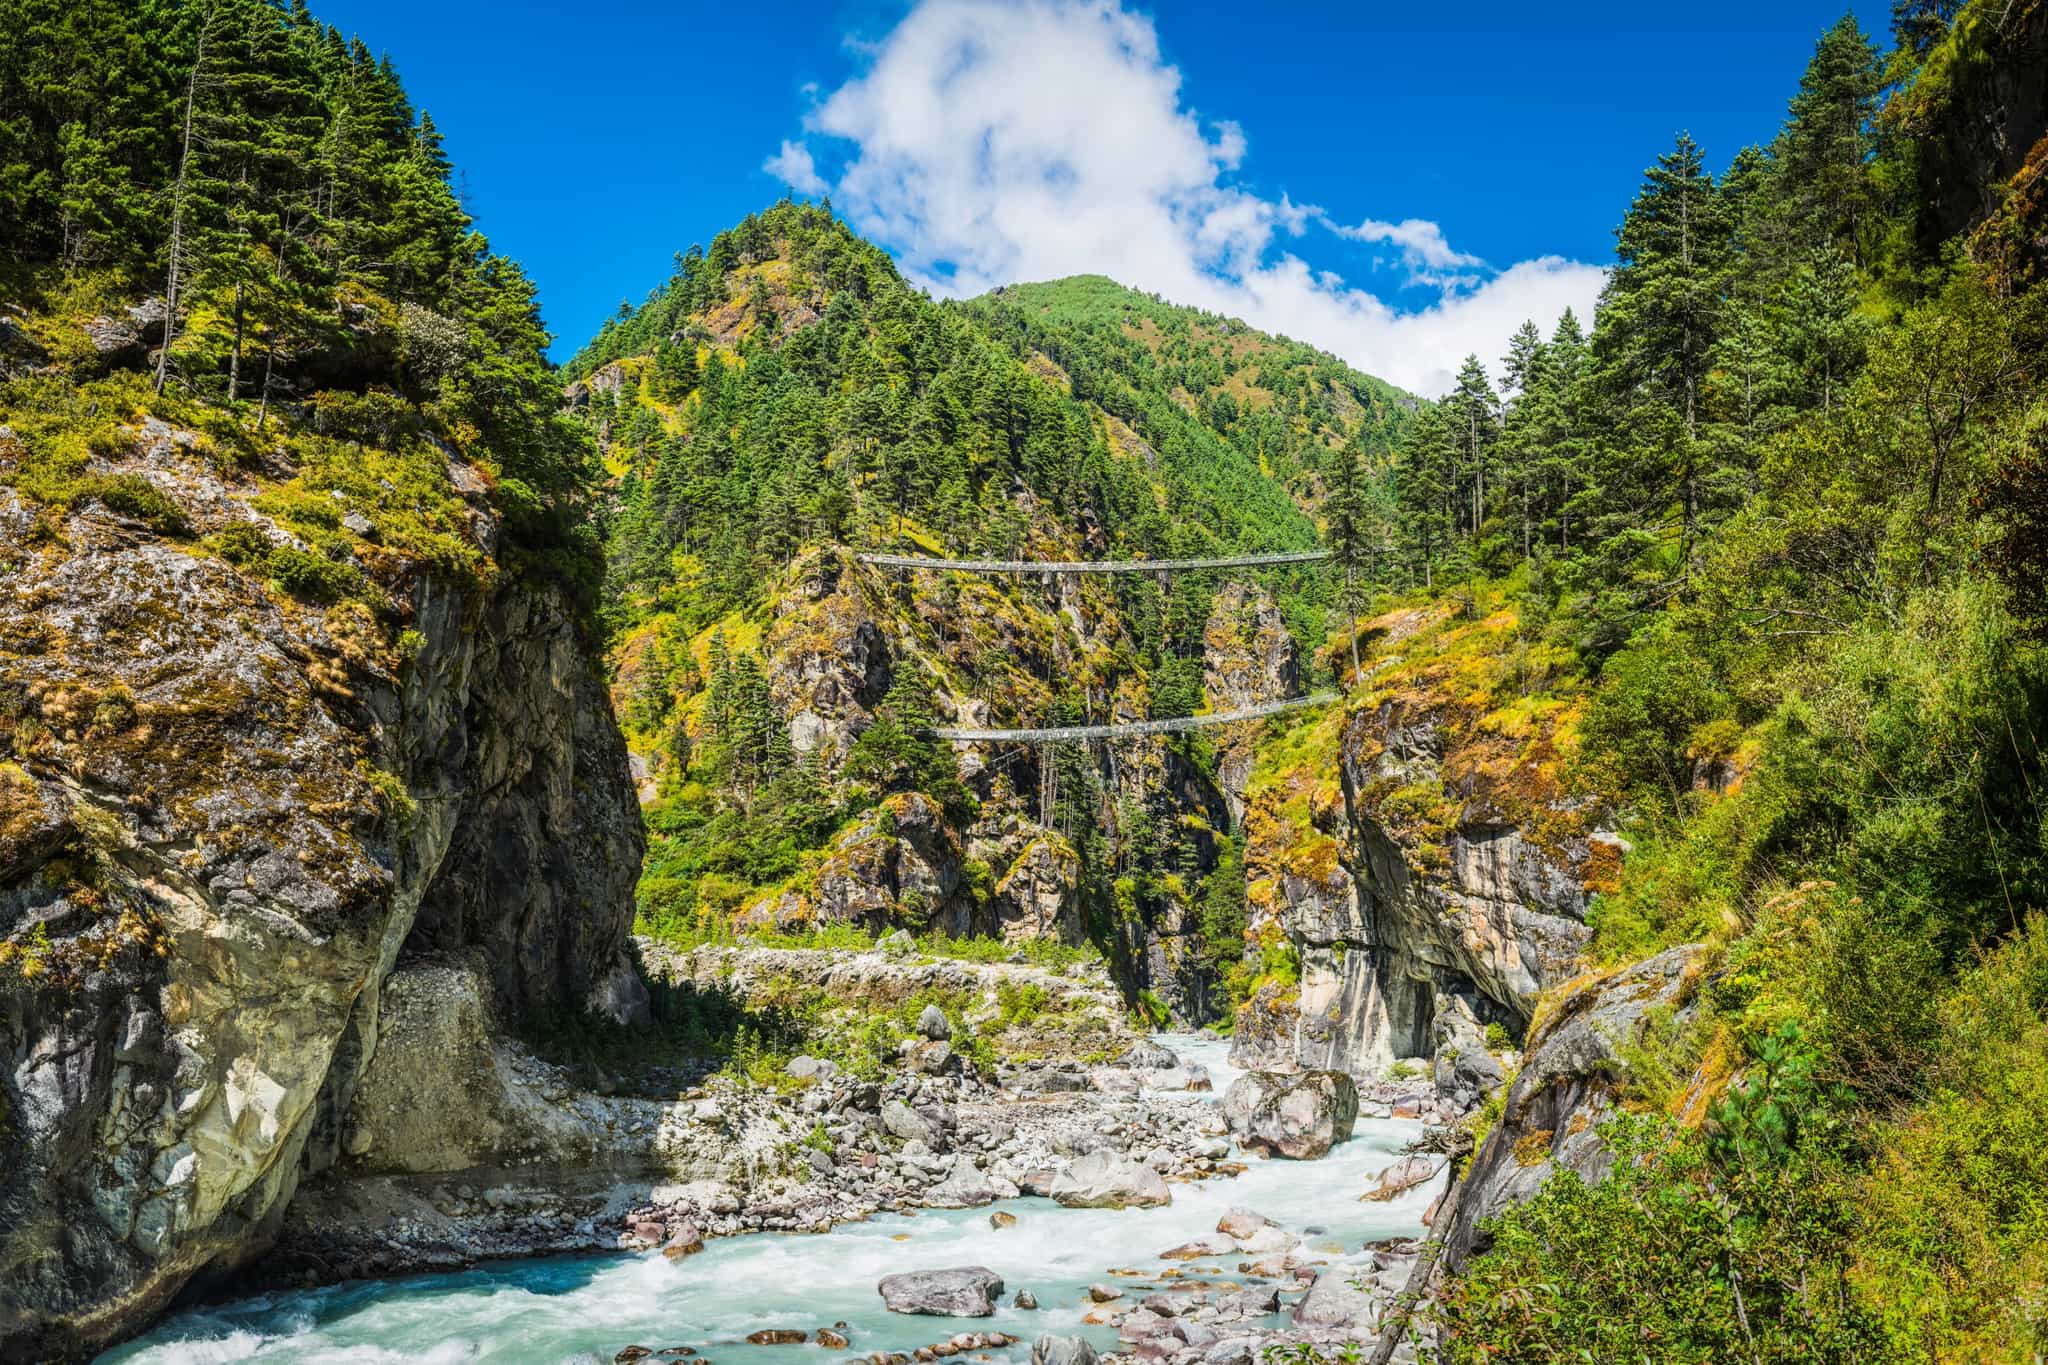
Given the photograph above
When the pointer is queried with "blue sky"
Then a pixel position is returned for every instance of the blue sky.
(1397, 183)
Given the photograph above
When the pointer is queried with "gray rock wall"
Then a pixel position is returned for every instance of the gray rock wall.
(207, 873)
(1404, 952)
(1576, 1067)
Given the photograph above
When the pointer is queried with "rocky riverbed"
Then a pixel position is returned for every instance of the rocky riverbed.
(1048, 1174)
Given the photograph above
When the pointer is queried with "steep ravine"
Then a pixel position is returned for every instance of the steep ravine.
(232, 814)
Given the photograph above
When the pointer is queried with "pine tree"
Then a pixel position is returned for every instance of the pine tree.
(1654, 346)
(1525, 368)
(1474, 414)
(1348, 519)
(1823, 185)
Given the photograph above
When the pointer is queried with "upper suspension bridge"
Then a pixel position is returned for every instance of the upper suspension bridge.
(1044, 566)
(1060, 734)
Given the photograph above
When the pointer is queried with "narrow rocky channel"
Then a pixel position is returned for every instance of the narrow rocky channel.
(1070, 1260)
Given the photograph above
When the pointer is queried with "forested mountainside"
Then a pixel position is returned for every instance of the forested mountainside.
(785, 399)
(294, 677)
(1155, 365)
(1682, 820)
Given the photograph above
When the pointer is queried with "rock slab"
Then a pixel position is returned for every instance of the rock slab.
(1104, 1180)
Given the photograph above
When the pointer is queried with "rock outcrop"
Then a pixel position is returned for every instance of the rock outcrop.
(1104, 1180)
(229, 813)
(1575, 1069)
(1247, 657)
(1435, 887)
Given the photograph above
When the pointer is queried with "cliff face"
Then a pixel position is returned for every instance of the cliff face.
(1416, 867)
(228, 814)
(1576, 1068)
(1978, 113)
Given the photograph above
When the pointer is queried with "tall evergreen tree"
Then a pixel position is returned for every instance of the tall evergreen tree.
(1823, 184)
(1660, 319)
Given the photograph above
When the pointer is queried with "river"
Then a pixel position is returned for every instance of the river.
(542, 1312)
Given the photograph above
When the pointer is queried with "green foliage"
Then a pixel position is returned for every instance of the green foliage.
(272, 182)
(1691, 1249)
(1951, 1254)
(299, 572)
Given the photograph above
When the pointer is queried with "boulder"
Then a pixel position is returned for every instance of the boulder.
(1298, 1115)
(1201, 1248)
(960, 1292)
(1025, 1300)
(933, 1024)
(807, 1068)
(1051, 1350)
(1247, 1304)
(965, 1187)
(1104, 1180)
(1147, 1056)
(777, 1336)
(1241, 1222)
(1192, 1079)
(1334, 1301)
(1110, 1080)
(901, 1121)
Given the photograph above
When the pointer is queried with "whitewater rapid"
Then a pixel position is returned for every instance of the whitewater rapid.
(583, 1308)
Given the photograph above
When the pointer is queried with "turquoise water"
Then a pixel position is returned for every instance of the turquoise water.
(541, 1312)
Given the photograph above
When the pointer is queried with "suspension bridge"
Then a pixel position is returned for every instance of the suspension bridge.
(1077, 566)
(1172, 725)
(1063, 734)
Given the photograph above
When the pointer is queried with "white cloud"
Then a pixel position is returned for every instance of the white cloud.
(994, 141)
(794, 167)
(1431, 260)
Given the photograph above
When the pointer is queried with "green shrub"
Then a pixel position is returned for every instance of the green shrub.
(1682, 1254)
(312, 577)
(131, 495)
(1954, 1254)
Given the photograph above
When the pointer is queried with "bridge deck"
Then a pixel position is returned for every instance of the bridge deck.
(1089, 565)
(1169, 726)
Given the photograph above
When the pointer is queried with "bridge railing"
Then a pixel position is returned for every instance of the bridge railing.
(1173, 725)
(1030, 566)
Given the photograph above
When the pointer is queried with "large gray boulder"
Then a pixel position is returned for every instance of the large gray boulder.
(1299, 1115)
(933, 1024)
(901, 1121)
(967, 1291)
(1334, 1301)
(1147, 1055)
(1052, 1350)
(1104, 1180)
(965, 1187)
